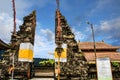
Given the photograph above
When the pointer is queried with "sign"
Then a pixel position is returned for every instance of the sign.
(104, 69)
(25, 52)
(63, 57)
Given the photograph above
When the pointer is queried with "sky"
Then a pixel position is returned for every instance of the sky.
(103, 14)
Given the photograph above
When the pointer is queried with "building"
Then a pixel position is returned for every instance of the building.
(3, 47)
(102, 50)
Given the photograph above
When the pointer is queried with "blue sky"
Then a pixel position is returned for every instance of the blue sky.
(103, 14)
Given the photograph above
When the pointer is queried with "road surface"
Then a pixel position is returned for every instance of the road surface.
(42, 79)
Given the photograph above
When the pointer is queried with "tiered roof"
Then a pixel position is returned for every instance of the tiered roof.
(3, 45)
(99, 46)
(102, 50)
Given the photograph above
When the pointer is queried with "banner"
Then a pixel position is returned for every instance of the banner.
(104, 69)
(25, 52)
(63, 57)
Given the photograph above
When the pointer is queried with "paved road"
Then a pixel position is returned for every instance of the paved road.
(42, 79)
(37, 79)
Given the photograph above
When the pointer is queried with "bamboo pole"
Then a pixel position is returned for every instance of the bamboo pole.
(59, 68)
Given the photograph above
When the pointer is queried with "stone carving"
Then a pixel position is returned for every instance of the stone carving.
(25, 33)
(76, 65)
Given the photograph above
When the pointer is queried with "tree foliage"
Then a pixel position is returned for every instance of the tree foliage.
(49, 62)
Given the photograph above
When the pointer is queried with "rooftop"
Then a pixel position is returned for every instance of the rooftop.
(99, 46)
(105, 50)
(3, 45)
(114, 56)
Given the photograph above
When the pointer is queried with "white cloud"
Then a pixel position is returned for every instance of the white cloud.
(44, 38)
(109, 25)
(100, 4)
(105, 26)
(23, 7)
(20, 5)
(6, 23)
(107, 30)
(6, 6)
(48, 34)
(38, 41)
(110, 30)
(44, 43)
(78, 35)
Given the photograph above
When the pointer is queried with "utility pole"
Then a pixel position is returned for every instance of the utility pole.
(14, 15)
(91, 25)
(14, 32)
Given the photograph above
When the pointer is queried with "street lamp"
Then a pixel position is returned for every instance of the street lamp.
(91, 25)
